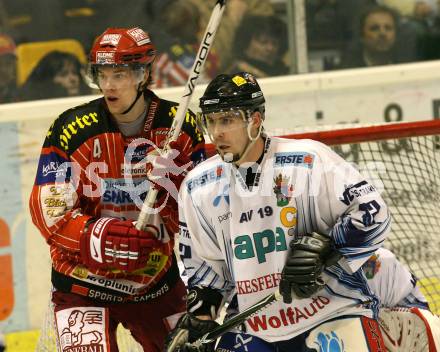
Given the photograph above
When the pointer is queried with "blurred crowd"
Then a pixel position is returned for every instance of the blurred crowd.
(44, 44)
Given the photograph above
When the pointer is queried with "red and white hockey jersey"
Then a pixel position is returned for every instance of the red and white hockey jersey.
(88, 169)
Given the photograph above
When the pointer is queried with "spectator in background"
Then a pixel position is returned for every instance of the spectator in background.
(260, 44)
(58, 74)
(234, 13)
(8, 70)
(179, 45)
(421, 17)
(377, 44)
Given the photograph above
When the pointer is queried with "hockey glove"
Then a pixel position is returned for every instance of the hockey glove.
(109, 243)
(188, 330)
(204, 301)
(304, 265)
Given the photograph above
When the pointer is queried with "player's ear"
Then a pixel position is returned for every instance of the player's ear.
(256, 119)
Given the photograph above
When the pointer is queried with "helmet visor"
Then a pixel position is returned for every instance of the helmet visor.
(114, 76)
(222, 121)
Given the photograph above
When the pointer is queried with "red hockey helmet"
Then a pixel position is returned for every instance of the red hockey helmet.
(121, 47)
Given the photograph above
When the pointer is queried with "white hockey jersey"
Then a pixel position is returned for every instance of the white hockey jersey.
(236, 239)
(392, 282)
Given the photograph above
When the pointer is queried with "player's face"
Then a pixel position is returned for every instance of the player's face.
(228, 132)
(379, 33)
(119, 86)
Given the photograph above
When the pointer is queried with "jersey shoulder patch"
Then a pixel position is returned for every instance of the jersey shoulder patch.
(74, 126)
(207, 172)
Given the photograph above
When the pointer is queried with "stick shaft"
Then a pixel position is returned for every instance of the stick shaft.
(146, 213)
(239, 318)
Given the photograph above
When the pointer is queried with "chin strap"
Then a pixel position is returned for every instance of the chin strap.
(251, 141)
(139, 93)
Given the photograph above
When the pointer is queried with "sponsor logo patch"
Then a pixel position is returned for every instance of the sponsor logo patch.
(104, 57)
(70, 130)
(139, 36)
(82, 329)
(123, 191)
(288, 316)
(209, 176)
(355, 191)
(52, 167)
(238, 80)
(294, 159)
(110, 39)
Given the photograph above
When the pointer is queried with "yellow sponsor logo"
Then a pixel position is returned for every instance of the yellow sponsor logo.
(71, 129)
(80, 271)
(288, 216)
(156, 262)
(55, 203)
(238, 80)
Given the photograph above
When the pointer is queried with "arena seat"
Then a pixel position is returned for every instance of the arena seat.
(29, 54)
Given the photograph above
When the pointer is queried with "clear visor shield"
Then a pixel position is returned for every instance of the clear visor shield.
(114, 76)
(216, 123)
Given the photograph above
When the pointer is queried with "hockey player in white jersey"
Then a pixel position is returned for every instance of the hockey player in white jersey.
(270, 213)
(406, 323)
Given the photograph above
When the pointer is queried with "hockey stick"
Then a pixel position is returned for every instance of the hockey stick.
(145, 214)
(238, 319)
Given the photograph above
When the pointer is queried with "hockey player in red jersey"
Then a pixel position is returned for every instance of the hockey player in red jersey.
(92, 177)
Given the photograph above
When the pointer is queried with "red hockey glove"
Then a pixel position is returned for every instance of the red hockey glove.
(112, 243)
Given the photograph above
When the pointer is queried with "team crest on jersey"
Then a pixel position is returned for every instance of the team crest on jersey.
(372, 266)
(283, 190)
